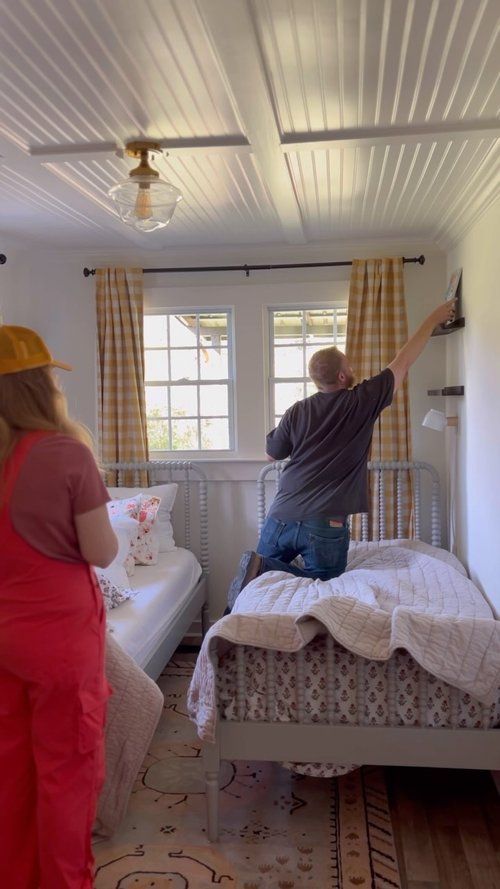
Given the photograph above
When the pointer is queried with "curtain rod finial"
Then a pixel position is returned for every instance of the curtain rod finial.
(421, 259)
(87, 272)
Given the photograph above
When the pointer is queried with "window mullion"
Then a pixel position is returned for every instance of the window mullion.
(169, 393)
(198, 389)
(272, 394)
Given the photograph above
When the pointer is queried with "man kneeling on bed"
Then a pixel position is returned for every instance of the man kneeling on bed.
(327, 437)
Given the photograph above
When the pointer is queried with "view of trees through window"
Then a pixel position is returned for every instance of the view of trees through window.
(295, 334)
(188, 371)
(188, 381)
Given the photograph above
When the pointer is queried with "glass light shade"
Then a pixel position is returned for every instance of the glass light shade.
(435, 420)
(145, 202)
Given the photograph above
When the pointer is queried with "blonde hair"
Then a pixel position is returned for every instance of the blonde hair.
(325, 365)
(31, 400)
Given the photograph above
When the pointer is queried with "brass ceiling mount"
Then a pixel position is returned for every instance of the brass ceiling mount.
(141, 148)
(135, 147)
(144, 200)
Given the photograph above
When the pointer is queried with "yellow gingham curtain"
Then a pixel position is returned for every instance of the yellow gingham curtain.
(120, 335)
(377, 327)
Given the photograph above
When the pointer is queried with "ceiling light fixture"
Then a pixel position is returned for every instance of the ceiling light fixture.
(143, 200)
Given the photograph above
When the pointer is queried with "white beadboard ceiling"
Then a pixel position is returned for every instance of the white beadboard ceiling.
(286, 121)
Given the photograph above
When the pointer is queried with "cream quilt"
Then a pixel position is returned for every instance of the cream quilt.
(393, 595)
(134, 710)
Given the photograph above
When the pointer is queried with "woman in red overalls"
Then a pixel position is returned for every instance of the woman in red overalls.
(53, 525)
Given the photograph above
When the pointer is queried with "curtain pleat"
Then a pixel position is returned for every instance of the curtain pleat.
(377, 328)
(120, 337)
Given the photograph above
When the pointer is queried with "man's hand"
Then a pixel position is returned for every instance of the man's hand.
(444, 312)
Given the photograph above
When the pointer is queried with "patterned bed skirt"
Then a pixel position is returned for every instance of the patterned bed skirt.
(325, 683)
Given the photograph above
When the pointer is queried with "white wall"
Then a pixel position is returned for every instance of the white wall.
(473, 359)
(58, 301)
(12, 306)
(50, 294)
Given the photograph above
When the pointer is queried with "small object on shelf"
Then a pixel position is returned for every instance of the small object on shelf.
(448, 390)
(454, 290)
(438, 421)
(453, 325)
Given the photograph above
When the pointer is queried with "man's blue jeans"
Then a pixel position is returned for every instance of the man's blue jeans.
(323, 548)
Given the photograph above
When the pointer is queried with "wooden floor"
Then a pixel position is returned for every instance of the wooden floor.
(447, 828)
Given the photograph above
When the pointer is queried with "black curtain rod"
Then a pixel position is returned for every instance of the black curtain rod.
(253, 268)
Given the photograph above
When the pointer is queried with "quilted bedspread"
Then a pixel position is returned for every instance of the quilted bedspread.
(134, 710)
(393, 595)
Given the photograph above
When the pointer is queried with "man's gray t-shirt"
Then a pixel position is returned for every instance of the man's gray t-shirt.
(327, 437)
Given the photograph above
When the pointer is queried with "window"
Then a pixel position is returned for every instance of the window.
(188, 376)
(295, 334)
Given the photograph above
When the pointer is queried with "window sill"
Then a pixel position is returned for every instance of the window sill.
(221, 469)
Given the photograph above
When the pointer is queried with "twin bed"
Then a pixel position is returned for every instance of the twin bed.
(172, 594)
(144, 632)
(397, 662)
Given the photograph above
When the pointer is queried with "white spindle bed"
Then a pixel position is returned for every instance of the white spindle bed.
(190, 521)
(327, 740)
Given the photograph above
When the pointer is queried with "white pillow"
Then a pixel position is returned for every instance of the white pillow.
(167, 494)
(127, 530)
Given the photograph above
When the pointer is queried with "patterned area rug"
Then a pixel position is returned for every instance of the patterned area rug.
(277, 830)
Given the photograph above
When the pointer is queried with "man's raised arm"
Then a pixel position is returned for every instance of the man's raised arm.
(401, 364)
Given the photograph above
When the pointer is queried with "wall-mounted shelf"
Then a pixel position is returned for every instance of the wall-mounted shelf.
(454, 325)
(448, 390)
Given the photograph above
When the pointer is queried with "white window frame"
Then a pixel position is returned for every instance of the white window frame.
(230, 380)
(272, 379)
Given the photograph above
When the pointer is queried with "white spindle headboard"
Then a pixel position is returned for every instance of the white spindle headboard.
(381, 471)
(190, 477)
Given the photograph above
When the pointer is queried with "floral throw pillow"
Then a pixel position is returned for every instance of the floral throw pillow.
(112, 594)
(147, 545)
(163, 524)
(144, 509)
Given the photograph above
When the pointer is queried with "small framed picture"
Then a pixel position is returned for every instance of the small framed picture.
(453, 290)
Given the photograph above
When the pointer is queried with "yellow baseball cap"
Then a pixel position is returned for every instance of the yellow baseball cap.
(23, 349)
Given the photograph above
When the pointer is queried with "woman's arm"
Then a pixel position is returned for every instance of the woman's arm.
(97, 540)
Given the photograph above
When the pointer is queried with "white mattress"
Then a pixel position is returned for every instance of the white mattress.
(141, 623)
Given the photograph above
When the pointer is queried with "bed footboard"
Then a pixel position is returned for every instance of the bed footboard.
(328, 740)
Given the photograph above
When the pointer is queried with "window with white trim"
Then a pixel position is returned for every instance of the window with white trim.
(294, 335)
(188, 380)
